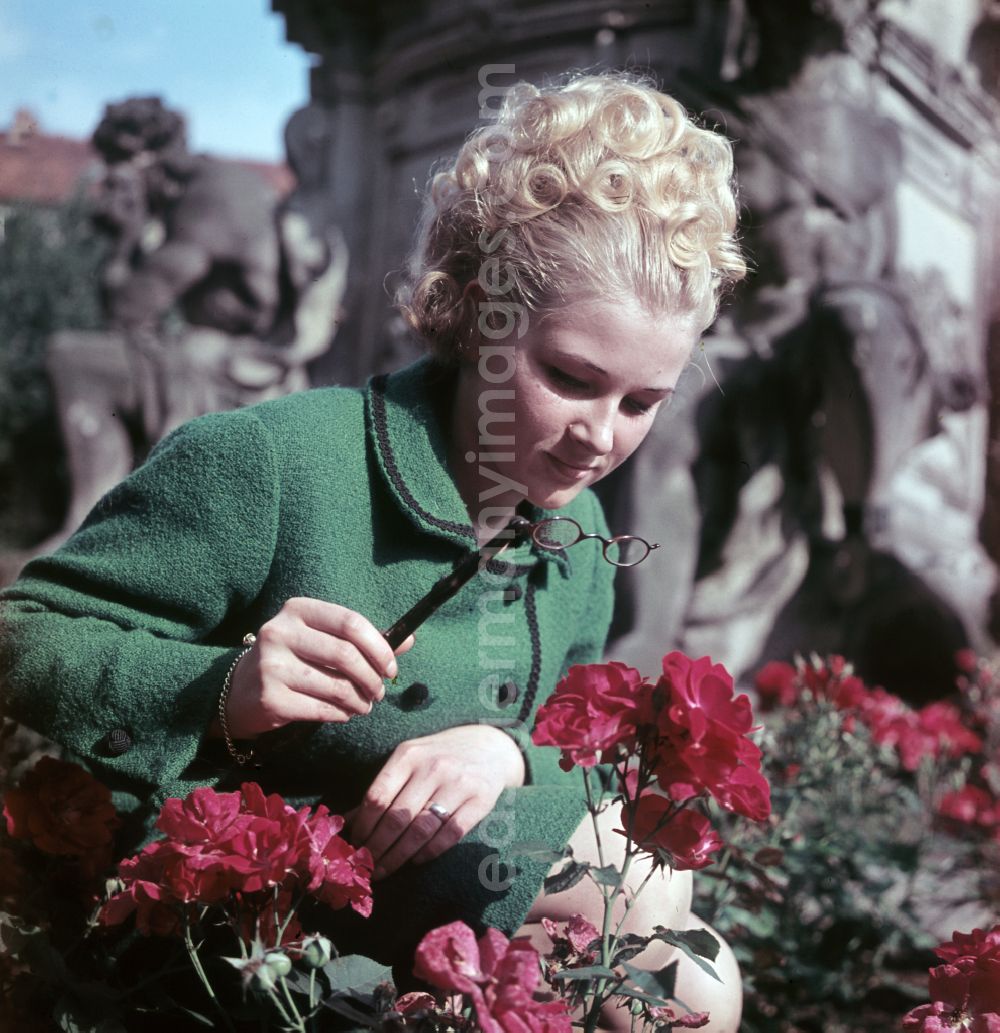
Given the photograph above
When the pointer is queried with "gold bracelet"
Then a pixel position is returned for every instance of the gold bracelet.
(241, 758)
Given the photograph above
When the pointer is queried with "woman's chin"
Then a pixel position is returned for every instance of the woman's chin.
(555, 498)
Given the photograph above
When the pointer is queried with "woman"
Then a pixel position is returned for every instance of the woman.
(567, 264)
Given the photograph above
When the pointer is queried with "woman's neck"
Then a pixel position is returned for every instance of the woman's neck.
(489, 509)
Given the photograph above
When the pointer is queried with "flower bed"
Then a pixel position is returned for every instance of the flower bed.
(863, 813)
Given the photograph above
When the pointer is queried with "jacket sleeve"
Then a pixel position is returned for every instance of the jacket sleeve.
(109, 632)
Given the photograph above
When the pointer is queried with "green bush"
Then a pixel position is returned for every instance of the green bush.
(833, 909)
(49, 263)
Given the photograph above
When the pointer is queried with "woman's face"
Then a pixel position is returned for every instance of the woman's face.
(545, 415)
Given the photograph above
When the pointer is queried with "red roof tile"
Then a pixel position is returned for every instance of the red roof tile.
(43, 169)
(46, 169)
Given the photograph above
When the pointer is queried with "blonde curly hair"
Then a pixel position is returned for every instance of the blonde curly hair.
(600, 188)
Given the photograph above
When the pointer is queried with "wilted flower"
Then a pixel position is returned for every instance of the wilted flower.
(499, 976)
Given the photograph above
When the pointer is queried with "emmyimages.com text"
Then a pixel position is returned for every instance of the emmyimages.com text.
(501, 321)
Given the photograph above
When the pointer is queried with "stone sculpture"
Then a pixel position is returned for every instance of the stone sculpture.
(218, 296)
(778, 477)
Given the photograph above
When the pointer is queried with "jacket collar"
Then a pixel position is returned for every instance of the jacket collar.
(404, 414)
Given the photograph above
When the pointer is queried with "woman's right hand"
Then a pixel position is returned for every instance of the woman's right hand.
(313, 661)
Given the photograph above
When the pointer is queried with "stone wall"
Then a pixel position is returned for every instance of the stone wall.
(844, 513)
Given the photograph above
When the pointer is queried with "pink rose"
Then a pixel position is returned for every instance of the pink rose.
(499, 976)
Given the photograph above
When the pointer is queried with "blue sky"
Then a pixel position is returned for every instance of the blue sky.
(224, 63)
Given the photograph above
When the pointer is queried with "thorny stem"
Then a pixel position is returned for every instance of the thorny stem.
(300, 1023)
(192, 952)
(608, 940)
(295, 1023)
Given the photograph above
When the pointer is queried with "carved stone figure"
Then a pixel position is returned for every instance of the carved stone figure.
(219, 296)
(783, 475)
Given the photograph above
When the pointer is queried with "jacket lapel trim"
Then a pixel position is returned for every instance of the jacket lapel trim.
(380, 423)
(531, 612)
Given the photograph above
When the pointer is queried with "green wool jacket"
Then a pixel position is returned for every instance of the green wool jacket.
(117, 645)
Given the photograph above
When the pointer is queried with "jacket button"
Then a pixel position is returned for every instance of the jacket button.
(117, 742)
(512, 593)
(507, 694)
(415, 696)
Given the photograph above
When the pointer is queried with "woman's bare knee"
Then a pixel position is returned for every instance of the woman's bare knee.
(664, 900)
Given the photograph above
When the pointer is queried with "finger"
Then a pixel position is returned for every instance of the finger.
(424, 830)
(262, 699)
(407, 820)
(451, 832)
(343, 623)
(317, 652)
(376, 802)
(406, 645)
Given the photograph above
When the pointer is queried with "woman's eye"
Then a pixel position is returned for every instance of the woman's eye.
(635, 407)
(566, 379)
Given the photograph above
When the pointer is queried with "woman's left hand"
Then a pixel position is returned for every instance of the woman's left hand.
(463, 770)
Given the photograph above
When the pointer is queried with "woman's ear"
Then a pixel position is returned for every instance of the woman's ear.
(472, 297)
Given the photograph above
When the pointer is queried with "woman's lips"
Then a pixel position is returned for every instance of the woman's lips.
(570, 470)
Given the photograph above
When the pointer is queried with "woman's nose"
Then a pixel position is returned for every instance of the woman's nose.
(595, 430)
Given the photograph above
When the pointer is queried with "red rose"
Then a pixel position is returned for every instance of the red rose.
(448, 958)
(593, 709)
(576, 937)
(154, 906)
(745, 792)
(203, 816)
(683, 835)
(514, 976)
(972, 806)
(702, 737)
(777, 685)
(417, 1003)
(966, 989)
(340, 874)
(240, 848)
(979, 943)
(65, 811)
(668, 1019)
(944, 721)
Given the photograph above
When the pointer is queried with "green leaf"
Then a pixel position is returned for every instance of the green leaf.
(697, 941)
(344, 1006)
(71, 1020)
(659, 983)
(641, 995)
(566, 878)
(629, 946)
(537, 850)
(606, 876)
(697, 944)
(354, 974)
(574, 975)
